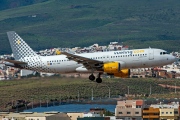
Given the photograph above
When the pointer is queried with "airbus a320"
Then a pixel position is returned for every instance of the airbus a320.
(117, 63)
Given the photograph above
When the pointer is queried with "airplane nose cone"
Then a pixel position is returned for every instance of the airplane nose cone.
(173, 59)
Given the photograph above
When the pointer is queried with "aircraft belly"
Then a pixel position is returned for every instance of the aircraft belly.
(136, 63)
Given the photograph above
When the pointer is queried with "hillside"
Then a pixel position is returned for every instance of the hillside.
(61, 23)
(9, 4)
(67, 88)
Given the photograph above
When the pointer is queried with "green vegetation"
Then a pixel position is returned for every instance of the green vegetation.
(68, 88)
(61, 23)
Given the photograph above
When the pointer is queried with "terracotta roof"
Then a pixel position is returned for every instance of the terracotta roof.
(139, 102)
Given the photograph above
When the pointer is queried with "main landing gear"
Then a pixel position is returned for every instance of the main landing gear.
(98, 79)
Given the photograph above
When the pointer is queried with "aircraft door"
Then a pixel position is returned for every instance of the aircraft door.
(151, 54)
(107, 58)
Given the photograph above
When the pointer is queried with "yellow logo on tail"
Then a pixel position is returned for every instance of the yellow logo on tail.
(58, 52)
(18, 42)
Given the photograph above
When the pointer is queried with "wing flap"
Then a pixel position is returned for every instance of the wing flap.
(87, 62)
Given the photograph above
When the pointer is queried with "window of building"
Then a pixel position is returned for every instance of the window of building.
(156, 113)
(170, 112)
(175, 112)
(136, 112)
(162, 112)
(138, 106)
(166, 112)
(120, 113)
(128, 112)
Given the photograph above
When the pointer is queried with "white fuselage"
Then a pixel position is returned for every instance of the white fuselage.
(138, 58)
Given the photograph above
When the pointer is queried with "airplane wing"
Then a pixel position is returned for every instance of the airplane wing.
(15, 61)
(87, 62)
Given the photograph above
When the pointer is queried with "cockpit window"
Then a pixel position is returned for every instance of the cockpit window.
(163, 53)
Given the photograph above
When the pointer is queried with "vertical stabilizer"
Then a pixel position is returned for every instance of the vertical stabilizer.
(19, 47)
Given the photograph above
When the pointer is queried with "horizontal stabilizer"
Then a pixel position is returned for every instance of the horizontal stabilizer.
(15, 61)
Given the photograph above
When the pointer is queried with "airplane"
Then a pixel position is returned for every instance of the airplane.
(117, 63)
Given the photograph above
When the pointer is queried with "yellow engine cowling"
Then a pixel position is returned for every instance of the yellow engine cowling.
(115, 69)
(123, 73)
(111, 68)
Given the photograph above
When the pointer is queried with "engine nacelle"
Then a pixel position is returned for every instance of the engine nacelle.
(114, 68)
(123, 73)
(111, 68)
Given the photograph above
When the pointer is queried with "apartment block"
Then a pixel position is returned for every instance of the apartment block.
(34, 116)
(150, 113)
(168, 111)
(129, 110)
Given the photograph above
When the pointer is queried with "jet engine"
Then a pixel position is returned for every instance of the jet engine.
(114, 68)
(123, 73)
